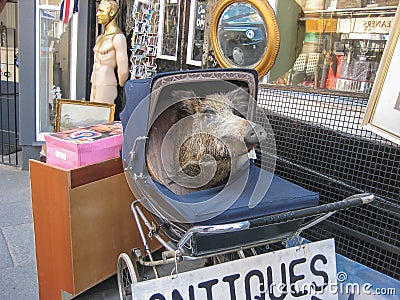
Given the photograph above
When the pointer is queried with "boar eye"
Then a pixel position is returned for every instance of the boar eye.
(209, 111)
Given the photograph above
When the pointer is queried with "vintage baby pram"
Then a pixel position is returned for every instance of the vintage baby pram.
(253, 209)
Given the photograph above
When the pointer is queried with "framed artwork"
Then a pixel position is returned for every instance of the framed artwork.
(382, 115)
(168, 30)
(196, 32)
(72, 114)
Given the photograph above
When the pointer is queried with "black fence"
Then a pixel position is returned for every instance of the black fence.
(322, 146)
(9, 98)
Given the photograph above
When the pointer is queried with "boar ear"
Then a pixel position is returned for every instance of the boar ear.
(188, 101)
(240, 100)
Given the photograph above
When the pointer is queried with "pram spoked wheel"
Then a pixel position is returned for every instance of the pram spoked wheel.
(126, 276)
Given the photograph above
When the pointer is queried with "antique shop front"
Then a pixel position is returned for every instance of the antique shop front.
(335, 45)
(317, 60)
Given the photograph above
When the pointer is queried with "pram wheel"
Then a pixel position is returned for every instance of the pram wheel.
(126, 275)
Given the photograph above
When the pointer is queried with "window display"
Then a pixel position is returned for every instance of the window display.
(343, 44)
(53, 63)
(168, 31)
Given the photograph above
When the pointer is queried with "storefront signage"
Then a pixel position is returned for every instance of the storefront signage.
(200, 16)
(366, 25)
(303, 272)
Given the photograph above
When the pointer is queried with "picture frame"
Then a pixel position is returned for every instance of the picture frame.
(382, 115)
(197, 17)
(169, 29)
(72, 114)
(236, 57)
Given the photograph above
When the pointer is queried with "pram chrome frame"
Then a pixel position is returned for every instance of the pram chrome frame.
(198, 241)
(181, 249)
(127, 266)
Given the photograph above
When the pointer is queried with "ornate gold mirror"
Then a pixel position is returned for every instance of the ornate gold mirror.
(245, 34)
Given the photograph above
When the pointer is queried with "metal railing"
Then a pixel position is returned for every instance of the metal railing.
(322, 146)
(9, 98)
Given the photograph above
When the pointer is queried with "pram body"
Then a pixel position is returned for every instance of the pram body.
(204, 230)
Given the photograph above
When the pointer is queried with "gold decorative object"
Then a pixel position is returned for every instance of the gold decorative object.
(245, 34)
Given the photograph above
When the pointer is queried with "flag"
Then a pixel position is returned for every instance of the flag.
(67, 9)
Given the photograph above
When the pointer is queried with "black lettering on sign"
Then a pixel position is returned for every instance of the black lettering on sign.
(319, 272)
(231, 281)
(247, 287)
(177, 296)
(272, 285)
(293, 277)
(157, 296)
(200, 16)
(191, 292)
(208, 286)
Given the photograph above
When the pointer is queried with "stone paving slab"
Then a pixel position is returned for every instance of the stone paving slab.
(19, 283)
(5, 257)
(14, 185)
(21, 244)
(15, 213)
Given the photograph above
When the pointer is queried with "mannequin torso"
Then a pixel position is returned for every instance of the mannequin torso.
(110, 54)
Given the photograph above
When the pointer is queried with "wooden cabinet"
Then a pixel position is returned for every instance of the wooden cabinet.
(82, 222)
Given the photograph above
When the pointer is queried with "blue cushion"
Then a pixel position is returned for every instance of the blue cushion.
(281, 196)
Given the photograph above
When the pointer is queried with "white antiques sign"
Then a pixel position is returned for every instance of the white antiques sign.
(301, 272)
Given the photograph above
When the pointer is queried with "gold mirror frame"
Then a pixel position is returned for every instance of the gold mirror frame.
(268, 15)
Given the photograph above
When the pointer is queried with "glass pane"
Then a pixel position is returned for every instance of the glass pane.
(53, 81)
(338, 45)
(170, 28)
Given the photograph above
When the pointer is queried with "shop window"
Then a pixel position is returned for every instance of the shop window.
(169, 29)
(53, 71)
(343, 44)
(196, 32)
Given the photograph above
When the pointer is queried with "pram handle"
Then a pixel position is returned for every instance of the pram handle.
(354, 200)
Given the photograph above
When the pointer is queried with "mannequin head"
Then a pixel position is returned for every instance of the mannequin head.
(107, 11)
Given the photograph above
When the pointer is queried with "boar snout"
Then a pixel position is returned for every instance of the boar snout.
(255, 134)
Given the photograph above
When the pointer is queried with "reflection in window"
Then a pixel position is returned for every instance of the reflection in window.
(53, 64)
(242, 35)
(169, 29)
(196, 32)
(340, 50)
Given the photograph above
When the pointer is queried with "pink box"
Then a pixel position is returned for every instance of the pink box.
(82, 146)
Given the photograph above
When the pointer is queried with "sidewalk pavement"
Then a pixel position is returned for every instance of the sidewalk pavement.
(18, 275)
